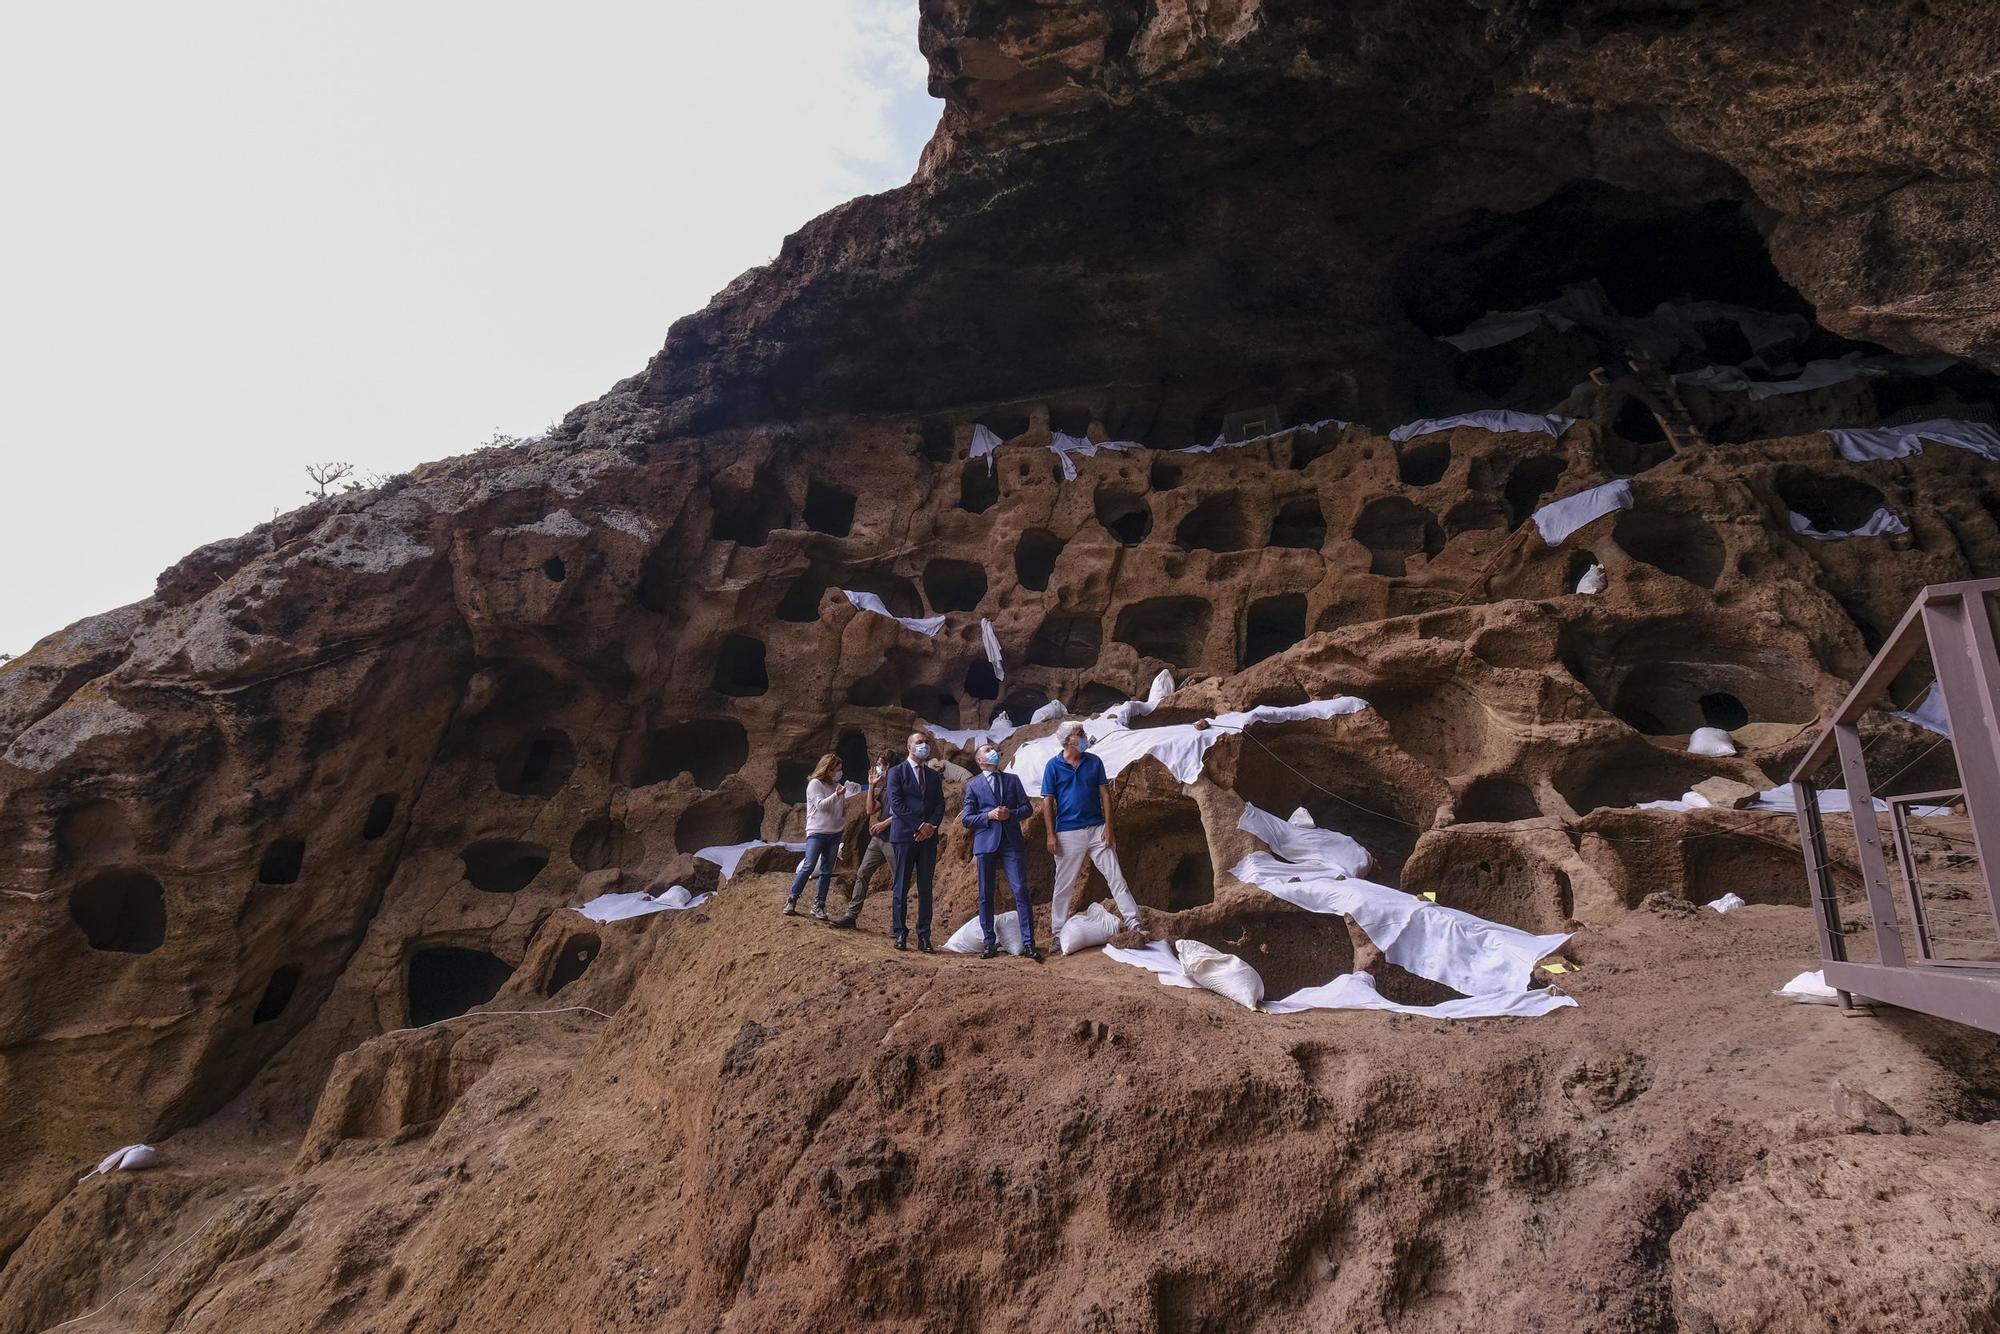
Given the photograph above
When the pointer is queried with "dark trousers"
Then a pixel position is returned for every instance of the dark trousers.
(922, 859)
(1017, 875)
(820, 850)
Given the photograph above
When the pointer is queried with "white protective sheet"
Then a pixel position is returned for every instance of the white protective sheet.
(1224, 974)
(1500, 421)
(1356, 991)
(969, 939)
(961, 738)
(1813, 375)
(984, 442)
(131, 1158)
(991, 643)
(1929, 713)
(1468, 954)
(1559, 518)
(1710, 741)
(1182, 747)
(1064, 446)
(1592, 582)
(1832, 801)
(1123, 714)
(1223, 442)
(1688, 801)
(728, 855)
(1052, 710)
(621, 907)
(923, 625)
(1880, 524)
(1895, 442)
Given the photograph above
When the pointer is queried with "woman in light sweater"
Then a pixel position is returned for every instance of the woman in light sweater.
(826, 816)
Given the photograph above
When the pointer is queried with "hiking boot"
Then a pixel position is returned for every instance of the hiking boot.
(819, 913)
(844, 922)
(791, 908)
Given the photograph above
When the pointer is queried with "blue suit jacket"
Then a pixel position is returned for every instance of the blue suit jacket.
(982, 794)
(913, 801)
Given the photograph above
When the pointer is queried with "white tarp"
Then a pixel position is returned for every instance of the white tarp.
(1224, 442)
(131, 1158)
(991, 642)
(1710, 741)
(969, 939)
(1929, 713)
(923, 625)
(1123, 713)
(984, 442)
(1051, 710)
(1063, 446)
(1559, 518)
(1895, 442)
(621, 907)
(728, 855)
(1468, 954)
(1500, 421)
(1880, 524)
(1356, 991)
(1182, 747)
(960, 738)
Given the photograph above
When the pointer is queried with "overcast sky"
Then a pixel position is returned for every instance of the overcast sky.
(244, 237)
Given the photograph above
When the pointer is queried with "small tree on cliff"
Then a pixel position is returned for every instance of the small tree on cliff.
(325, 475)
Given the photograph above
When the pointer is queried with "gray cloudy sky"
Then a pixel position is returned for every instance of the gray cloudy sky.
(244, 237)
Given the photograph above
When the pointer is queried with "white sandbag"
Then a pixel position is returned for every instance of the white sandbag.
(1710, 741)
(970, 939)
(1809, 988)
(1094, 926)
(131, 1158)
(1895, 442)
(1929, 713)
(1559, 518)
(923, 625)
(1224, 974)
(1728, 903)
(1880, 524)
(1592, 582)
(991, 642)
(1048, 712)
(1499, 421)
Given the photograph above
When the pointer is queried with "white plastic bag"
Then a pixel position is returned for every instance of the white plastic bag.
(131, 1158)
(1809, 988)
(1710, 741)
(1094, 926)
(969, 939)
(1224, 974)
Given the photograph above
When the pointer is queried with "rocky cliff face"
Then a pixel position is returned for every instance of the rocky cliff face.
(346, 777)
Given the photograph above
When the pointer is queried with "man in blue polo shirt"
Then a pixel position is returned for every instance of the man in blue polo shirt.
(1076, 808)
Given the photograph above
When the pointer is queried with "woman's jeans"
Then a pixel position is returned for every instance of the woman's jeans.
(820, 849)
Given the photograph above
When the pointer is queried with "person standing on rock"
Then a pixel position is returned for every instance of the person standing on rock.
(878, 853)
(916, 809)
(826, 816)
(995, 805)
(1076, 806)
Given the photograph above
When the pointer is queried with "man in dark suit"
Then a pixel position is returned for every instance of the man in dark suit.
(995, 805)
(916, 809)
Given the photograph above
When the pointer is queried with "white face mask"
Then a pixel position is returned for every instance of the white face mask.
(923, 750)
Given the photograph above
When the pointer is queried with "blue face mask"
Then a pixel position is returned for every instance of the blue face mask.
(923, 750)
(1082, 742)
(992, 757)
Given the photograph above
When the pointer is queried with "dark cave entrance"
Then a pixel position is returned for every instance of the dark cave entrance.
(1172, 629)
(1124, 515)
(277, 994)
(954, 585)
(1067, 639)
(503, 866)
(1272, 625)
(573, 961)
(1833, 503)
(538, 766)
(829, 509)
(124, 912)
(381, 814)
(1035, 558)
(706, 749)
(1216, 524)
(446, 981)
(1300, 523)
(284, 859)
(739, 667)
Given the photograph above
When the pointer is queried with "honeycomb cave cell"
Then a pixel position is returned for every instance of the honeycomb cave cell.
(854, 762)
(1163, 851)
(718, 821)
(898, 594)
(1289, 950)
(602, 842)
(1759, 870)
(800, 603)
(503, 865)
(1216, 524)
(381, 814)
(1625, 776)
(554, 570)
(954, 585)
(445, 981)
(739, 667)
(1300, 524)
(1165, 476)
(1495, 799)
(1035, 558)
(1272, 625)
(1677, 544)
(1070, 418)
(1125, 516)
(277, 994)
(980, 681)
(1020, 705)
(829, 509)
(1424, 464)
(121, 911)
(934, 705)
(1381, 804)
(573, 960)
(793, 775)
(1067, 639)
(1096, 697)
(1172, 629)
(1530, 480)
(1655, 678)
(1309, 446)
(1477, 511)
(1393, 529)
(1487, 876)
(978, 486)
(1833, 503)
(659, 579)
(1722, 709)
(936, 440)
(746, 516)
(1579, 564)
(93, 831)
(706, 749)
(1007, 426)
(282, 862)
(538, 765)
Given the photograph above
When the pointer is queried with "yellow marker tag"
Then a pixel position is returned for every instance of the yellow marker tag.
(1557, 967)
(1430, 894)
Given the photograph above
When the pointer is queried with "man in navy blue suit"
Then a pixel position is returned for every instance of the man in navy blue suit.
(916, 809)
(995, 805)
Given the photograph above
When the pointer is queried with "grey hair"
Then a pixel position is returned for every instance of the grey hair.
(1064, 732)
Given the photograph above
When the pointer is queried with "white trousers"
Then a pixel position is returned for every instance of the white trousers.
(1077, 844)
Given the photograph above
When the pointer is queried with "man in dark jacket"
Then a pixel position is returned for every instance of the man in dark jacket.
(916, 809)
(995, 805)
